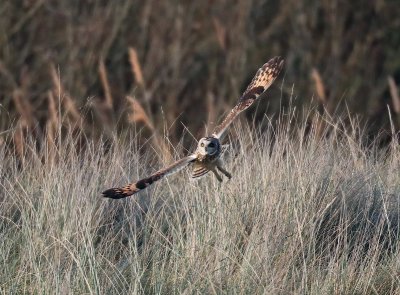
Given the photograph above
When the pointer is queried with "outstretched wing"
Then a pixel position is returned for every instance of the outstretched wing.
(133, 188)
(261, 82)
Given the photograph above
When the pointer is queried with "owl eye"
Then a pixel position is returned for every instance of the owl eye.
(202, 144)
(211, 145)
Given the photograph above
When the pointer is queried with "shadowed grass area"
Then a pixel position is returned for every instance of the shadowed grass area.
(82, 58)
(301, 215)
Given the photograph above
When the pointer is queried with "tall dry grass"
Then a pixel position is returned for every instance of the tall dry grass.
(302, 215)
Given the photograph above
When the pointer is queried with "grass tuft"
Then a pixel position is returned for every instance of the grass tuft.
(301, 215)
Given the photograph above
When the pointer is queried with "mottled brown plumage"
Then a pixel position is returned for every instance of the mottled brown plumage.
(133, 188)
(207, 156)
(260, 83)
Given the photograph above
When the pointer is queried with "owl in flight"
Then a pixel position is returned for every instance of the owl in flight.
(207, 155)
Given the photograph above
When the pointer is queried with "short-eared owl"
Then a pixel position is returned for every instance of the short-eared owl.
(207, 155)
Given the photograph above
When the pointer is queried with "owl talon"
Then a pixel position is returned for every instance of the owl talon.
(226, 173)
(217, 175)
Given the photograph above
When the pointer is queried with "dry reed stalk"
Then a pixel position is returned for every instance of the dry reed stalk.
(136, 68)
(220, 32)
(56, 79)
(24, 109)
(211, 108)
(104, 115)
(394, 93)
(50, 132)
(138, 115)
(51, 127)
(323, 100)
(319, 126)
(106, 86)
(50, 143)
(319, 86)
(53, 120)
(67, 101)
(71, 109)
(19, 141)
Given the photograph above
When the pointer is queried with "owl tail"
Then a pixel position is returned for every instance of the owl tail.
(199, 170)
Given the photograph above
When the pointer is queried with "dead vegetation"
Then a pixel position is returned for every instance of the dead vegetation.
(182, 62)
(301, 215)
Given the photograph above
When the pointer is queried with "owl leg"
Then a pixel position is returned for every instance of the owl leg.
(226, 173)
(217, 175)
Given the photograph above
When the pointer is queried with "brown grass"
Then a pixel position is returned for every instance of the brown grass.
(76, 120)
(300, 216)
(24, 109)
(136, 68)
(138, 114)
(319, 87)
(106, 85)
(394, 92)
(180, 54)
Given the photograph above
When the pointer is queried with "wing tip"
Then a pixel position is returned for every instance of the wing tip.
(115, 193)
(275, 63)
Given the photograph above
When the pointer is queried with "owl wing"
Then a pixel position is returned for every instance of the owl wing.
(133, 188)
(260, 83)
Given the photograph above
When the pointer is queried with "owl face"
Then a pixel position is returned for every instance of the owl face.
(208, 146)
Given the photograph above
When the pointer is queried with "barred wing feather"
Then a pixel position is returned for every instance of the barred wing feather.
(263, 79)
(133, 188)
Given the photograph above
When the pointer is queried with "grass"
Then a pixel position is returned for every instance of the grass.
(191, 57)
(302, 215)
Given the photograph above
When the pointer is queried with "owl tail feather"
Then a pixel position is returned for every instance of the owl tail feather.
(199, 171)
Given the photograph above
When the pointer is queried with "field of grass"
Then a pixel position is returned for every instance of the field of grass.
(302, 215)
(191, 57)
(96, 94)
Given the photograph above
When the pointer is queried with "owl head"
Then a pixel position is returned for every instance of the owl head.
(208, 146)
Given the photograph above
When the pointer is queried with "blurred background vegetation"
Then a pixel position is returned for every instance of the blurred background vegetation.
(163, 66)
